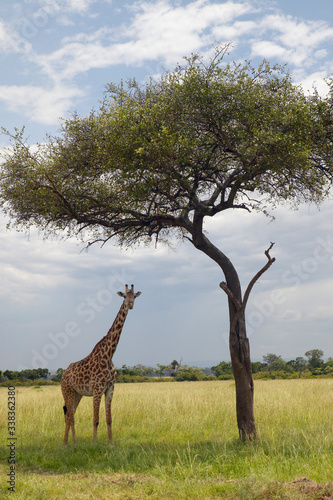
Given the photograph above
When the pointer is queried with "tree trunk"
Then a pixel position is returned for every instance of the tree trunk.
(242, 370)
(240, 359)
(238, 341)
(240, 349)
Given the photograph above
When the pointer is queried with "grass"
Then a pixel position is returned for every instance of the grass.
(175, 441)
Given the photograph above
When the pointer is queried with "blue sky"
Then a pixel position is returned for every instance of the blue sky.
(57, 301)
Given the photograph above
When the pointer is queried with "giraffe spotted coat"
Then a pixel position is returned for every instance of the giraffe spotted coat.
(95, 375)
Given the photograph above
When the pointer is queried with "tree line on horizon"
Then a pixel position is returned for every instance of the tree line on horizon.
(272, 367)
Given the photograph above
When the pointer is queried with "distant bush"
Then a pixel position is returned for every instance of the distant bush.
(306, 374)
(27, 383)
(278, 374)
(225, 376)
(191, 374)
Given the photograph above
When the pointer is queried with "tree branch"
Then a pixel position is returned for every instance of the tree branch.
(231, 296)
(257, 276)
(241, 306)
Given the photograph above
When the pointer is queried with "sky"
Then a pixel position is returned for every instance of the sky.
(58, 300)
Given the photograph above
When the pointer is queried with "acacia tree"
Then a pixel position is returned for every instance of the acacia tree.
(157, 160)
(315, 358)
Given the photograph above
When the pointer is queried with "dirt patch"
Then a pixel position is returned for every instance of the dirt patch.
(311, 489)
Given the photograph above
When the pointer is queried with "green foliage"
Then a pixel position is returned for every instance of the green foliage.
(223, 371)
(271, 358)
(275, 367)
(315, 358)
(189, 373)
(279, 365)
(22, 382)
(161, 369)
(299, 364)
(257, 366)
(137, 370)
(154, 158)
(127, 378)
(174, 368)
(329, 366)
(34, 374)
(58, 376)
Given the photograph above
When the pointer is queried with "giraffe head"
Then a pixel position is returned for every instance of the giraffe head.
(129, 296)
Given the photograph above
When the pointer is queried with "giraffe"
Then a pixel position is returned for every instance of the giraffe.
(95, 374)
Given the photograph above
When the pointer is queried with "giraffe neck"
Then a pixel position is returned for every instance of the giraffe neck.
(113, 335)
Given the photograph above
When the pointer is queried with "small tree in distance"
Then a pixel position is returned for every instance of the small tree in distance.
(174, 367)
(156, 161)
(270, 358)
(315, 358)
(161, 369)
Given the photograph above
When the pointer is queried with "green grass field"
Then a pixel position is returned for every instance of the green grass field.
(175, 441)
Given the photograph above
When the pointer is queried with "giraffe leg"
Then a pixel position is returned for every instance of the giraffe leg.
(108, 400)
(69, 415)
(77, 399)
(67, 426)
(96, 403)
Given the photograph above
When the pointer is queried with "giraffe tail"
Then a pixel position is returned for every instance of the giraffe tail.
(65, 409)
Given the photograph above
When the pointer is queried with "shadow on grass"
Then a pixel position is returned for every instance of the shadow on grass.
(243, 470)
(129, 457)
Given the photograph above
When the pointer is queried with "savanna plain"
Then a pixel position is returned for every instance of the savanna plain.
(175, 441)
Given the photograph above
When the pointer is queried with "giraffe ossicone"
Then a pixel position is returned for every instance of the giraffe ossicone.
(95, 375)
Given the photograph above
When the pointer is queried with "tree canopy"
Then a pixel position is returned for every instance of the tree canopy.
(315, 357)
(200, 140)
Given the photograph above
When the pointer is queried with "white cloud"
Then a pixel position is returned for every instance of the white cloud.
(317, 80)
(40, 104)
(294, 33)
(79, 6)
(86, 38)
(77, 57)
(6, 41)
(66, 6)
(232, 32)
(168, 32)
(293, 41)
(11, 41)
(268, 49)
(165, 32)
(158, 31)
